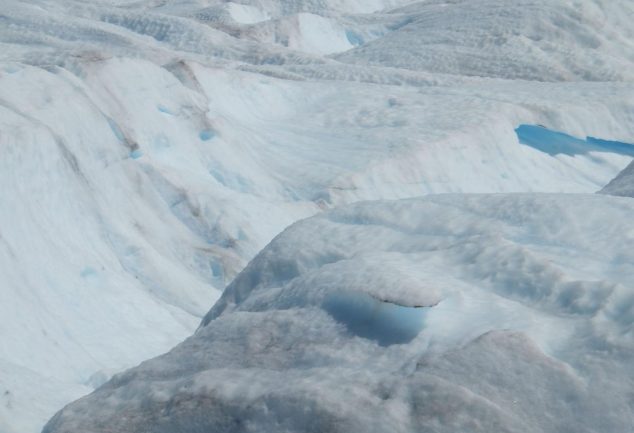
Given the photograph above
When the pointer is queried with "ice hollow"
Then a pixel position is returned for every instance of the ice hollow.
(368, 317)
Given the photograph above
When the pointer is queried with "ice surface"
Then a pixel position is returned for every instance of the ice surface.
(527, 327)
(623, 184)
(151, 149)
(525, 39)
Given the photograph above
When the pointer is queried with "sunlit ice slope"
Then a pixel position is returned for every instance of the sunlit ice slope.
(479, 313)
(526, 39)
(150, 150)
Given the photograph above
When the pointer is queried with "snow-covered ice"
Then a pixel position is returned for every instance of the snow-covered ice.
(526, 325)
(149, 150)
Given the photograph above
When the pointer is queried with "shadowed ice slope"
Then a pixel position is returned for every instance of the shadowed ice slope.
(623, 184)
(524, 313)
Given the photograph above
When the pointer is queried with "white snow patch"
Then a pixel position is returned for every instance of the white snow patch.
(246, 14)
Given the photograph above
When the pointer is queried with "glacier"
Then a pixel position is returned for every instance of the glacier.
(528, 327)
(150, 150)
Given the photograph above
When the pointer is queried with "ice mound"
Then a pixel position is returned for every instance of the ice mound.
(479, 313)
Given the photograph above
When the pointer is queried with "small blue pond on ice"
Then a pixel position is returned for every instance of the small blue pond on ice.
(558, 143)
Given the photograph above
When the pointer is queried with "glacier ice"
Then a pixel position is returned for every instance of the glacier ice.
(149, 150)
(528, 327)
(525, 39)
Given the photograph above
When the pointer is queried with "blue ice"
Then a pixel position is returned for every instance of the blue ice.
(136, 154)
(218, 176)
(354, 38)
(556, 143)
(88, 272)
(206, 134)
(217, 269)
(368, 317)
(164, 109)
(115, 129)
